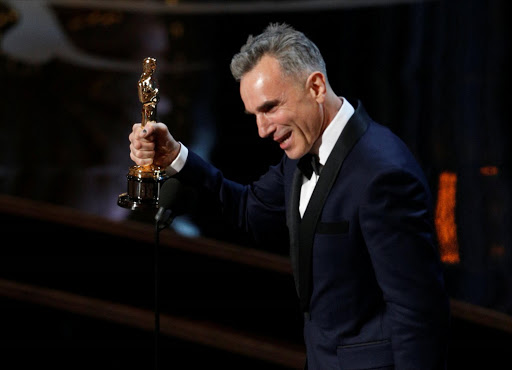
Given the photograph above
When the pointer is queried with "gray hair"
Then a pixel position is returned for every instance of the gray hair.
(297, 55)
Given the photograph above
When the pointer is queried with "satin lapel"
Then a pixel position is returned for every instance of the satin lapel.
(354, 129)
(293, 221)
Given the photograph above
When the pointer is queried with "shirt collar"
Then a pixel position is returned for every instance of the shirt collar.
(334, 129)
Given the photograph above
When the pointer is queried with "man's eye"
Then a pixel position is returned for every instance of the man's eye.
(269, 109)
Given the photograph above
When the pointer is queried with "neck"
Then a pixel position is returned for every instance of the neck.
(333, 105)
(330, 108)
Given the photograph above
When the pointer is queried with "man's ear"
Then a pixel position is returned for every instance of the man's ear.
(316, 86)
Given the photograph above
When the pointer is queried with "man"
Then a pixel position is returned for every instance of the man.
(362, 243)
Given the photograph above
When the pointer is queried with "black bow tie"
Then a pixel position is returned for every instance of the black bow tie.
(309, 163)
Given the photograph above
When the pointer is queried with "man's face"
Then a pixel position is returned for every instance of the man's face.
(286, 111)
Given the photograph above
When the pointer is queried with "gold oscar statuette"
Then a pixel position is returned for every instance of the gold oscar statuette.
(144, 182)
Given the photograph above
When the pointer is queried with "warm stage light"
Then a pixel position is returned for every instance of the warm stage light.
(489, 170)
(445, 218)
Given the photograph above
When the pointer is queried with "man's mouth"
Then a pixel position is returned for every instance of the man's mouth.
(284, 137)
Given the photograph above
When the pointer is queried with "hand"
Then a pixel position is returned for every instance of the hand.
(153, 145)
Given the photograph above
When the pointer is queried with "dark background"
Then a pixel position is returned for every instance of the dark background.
(436, 72)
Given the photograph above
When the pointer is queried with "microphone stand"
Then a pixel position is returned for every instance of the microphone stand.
(174, 199)
(159, 226)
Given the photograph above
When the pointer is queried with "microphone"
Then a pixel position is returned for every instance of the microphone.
(174, 200)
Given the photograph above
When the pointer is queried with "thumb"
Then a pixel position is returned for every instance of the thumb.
(147, 131)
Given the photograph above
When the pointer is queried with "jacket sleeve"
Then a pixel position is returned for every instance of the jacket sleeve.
(396, 222)
(257, 208)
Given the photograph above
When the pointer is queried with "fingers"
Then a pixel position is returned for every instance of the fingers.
(142, 149)
(141, 161)
(142, 145)
(152, 144)
(139, 133)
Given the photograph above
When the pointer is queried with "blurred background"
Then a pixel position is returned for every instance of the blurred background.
(77, 269)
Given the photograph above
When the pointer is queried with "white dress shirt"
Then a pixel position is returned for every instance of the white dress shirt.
(329, 139)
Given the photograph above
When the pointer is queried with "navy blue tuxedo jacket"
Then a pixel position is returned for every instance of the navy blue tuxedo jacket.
(364, 254)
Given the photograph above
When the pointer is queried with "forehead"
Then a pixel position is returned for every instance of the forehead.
(263, 83)
(266, 69)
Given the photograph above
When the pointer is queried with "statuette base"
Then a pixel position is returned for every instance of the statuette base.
(144, 184)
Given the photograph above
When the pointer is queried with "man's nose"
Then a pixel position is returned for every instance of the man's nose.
(264, 126)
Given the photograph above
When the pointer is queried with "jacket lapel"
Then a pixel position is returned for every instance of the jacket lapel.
(302, 232)
(293, 221)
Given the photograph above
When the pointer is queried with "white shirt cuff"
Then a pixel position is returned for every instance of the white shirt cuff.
(178, 162)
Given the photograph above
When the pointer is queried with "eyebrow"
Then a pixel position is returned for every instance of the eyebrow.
(265, 106)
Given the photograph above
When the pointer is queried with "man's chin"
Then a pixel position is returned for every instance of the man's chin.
(293, 154)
